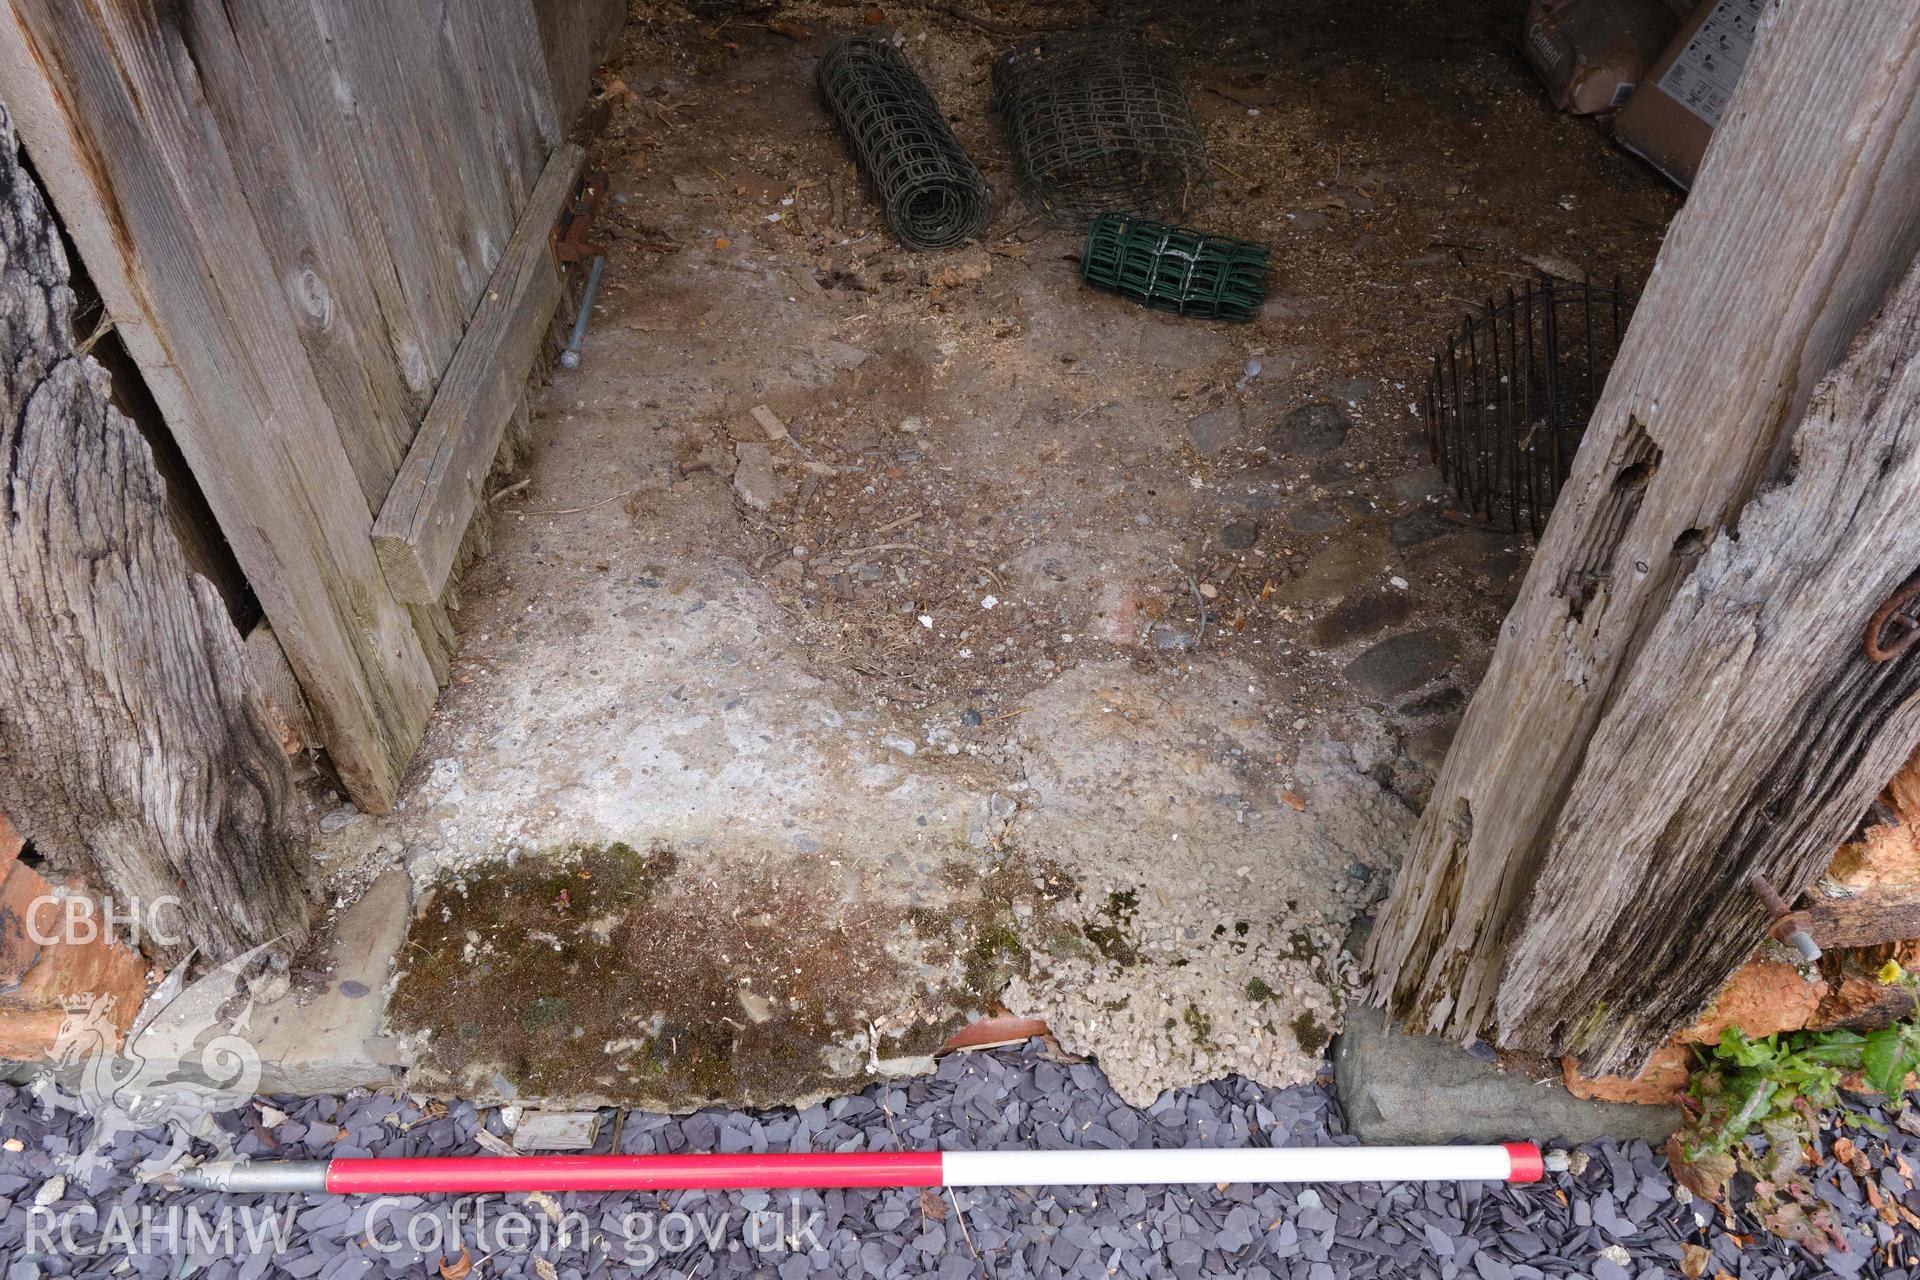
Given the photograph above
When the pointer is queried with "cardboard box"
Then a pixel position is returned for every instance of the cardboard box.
(1671, 118)
(1591, 53)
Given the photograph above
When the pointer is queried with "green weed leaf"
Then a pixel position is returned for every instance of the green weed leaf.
(1779, 1086)
(1883, 1062)
(1836, 1048)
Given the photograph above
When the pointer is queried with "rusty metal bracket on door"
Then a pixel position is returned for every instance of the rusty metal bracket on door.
(570, 243)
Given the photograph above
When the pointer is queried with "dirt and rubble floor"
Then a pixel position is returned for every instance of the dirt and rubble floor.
(772, 756)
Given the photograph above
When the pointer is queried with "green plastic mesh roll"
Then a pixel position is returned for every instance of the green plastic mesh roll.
(930, 191)
(1190, 273)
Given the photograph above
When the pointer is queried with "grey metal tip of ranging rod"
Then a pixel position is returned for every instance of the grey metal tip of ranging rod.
(253, 1177)
(570, 358)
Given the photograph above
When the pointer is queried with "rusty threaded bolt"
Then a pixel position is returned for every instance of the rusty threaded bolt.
(1789, 926)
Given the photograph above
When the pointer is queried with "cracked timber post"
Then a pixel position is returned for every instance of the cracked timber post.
(135, 750)
(1528, 906)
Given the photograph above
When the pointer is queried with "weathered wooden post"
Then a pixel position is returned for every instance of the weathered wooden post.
(134, 748)
(1537, 901)
(1751, 732)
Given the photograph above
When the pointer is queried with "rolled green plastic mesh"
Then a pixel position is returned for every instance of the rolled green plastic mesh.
(930, 191)
(1190, 273)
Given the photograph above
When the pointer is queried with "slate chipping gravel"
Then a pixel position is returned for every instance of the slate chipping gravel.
(1620, 1218)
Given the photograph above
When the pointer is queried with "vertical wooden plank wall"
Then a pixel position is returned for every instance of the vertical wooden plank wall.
(292, 210)
(577, 35)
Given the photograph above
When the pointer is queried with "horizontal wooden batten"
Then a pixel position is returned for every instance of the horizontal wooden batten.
(425, 516)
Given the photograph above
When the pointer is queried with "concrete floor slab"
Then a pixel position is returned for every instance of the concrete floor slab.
(1217, 874)
(981, 652)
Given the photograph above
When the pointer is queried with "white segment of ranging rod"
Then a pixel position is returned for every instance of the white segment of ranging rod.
(1238, 1164)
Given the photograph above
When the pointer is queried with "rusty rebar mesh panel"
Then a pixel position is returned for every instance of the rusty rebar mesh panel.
(1510, 394)
(931, 193)
(1098, 121)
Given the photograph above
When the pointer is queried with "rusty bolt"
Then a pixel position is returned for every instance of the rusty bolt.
(1789, 927)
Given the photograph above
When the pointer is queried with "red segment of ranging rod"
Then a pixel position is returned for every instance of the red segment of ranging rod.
(417, 1175)
(1529, 1165)
(634, 1173)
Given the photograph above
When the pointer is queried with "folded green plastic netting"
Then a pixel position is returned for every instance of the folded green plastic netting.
(1098, 120)
(1190, 273)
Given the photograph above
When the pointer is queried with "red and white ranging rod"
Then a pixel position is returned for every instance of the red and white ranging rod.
(375, 1175)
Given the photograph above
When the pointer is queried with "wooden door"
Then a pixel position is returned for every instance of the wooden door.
(293, 211)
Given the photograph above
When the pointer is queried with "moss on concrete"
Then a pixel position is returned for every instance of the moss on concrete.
(1108, 931)
(1311, 1036)
(996, 954)
(608, 972)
